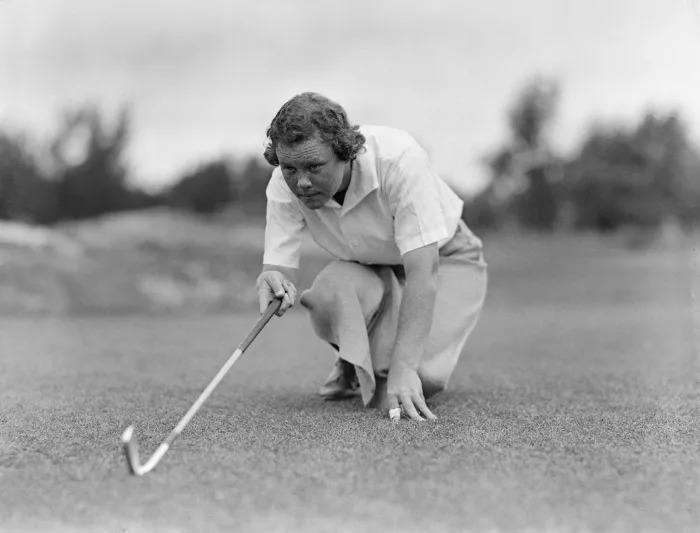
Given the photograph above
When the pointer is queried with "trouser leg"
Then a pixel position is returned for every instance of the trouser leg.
(342, 302)
(356, 308)
(458, 304)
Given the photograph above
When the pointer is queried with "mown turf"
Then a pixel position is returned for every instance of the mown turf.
(575, 407)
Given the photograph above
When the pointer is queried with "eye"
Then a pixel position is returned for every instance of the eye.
(315, 167)
(288, 170)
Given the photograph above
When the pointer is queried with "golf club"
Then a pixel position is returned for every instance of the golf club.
(131, 448)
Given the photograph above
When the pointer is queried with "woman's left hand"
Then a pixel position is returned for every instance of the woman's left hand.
(405, 390)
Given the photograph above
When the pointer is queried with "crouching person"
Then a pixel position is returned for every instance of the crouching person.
(408, 281)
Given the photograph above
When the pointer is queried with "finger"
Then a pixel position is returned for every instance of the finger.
(286, 304)
(409, 410)
(419, 403)
(394, 407)
(291, 291)
(276, 286)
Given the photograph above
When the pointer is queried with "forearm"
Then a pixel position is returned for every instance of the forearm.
(415, 319)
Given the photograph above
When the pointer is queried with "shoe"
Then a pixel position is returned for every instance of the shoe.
(341, 383)
(379, 400)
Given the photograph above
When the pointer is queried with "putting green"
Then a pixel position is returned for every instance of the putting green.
(575, 407)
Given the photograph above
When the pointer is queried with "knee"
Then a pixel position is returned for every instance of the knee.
(318, 300)
(322, 308)
(339, 280)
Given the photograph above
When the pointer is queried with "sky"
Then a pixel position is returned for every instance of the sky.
(204, 78)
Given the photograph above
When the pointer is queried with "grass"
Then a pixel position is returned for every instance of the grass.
(574, 408)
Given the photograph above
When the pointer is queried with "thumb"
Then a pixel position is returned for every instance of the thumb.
(264, 299)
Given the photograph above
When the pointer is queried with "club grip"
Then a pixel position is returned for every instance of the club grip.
(272, 308)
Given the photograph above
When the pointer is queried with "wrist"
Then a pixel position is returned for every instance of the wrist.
(404, 362)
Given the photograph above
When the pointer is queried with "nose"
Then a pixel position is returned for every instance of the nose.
(304, 182)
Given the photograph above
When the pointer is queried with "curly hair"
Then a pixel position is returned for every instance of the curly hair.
(309, 114)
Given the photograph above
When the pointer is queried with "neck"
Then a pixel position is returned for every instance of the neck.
(347, 173)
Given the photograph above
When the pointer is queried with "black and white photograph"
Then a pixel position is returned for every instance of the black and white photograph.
(383, 266)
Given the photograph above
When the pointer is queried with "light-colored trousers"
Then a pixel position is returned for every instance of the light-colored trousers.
(355, 307)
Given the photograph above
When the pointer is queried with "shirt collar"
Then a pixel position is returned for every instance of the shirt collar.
(363, 180)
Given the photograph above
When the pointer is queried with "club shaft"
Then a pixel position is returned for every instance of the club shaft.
(202, 397)
(257, 328)
(130, 446)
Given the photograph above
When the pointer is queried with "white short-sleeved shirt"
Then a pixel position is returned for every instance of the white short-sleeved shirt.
(395, 203)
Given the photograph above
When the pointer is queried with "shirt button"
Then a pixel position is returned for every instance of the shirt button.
(354, 244)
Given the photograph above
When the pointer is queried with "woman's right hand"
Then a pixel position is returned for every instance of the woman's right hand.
(273, 284)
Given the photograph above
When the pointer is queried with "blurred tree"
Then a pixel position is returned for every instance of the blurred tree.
(482, 211)
(524, 171)
(645, 176)
(688, 188)
(250, 181)
(90, 169)
(206, 190)
(25, 194)
(220, 183)
(673, 165)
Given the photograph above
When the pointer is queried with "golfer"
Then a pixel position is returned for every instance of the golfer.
(408, 279)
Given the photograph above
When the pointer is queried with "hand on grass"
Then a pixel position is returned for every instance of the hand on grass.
(272, 284)
(404, 389)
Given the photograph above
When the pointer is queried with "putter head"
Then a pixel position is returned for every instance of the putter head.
(131, 451)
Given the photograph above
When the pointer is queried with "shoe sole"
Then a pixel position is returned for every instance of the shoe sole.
(339, 395)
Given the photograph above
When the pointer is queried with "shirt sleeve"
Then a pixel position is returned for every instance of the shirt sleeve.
(414, 199)
(284, 228)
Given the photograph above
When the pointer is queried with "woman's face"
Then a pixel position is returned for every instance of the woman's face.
(312, 171)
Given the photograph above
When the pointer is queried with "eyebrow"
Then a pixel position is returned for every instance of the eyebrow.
(304, 162)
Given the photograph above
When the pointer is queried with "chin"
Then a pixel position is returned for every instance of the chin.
(314, 203)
